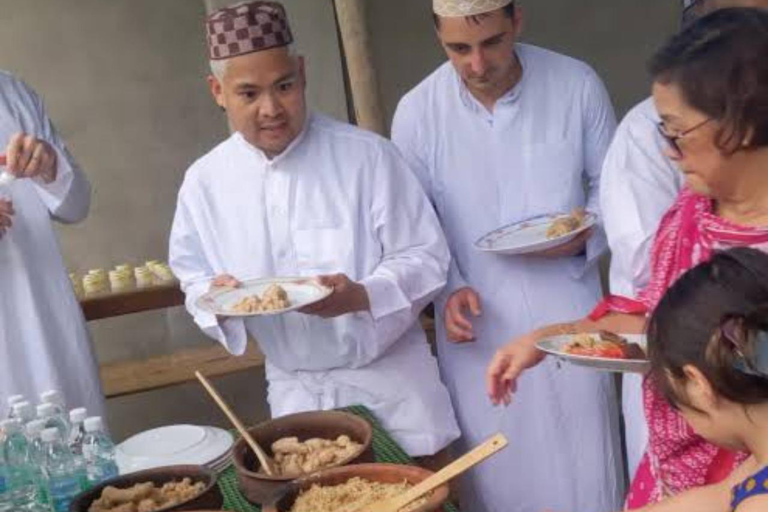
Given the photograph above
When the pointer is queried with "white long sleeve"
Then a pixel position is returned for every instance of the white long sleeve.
(68, 197)
(415, 257)
(599, 127)
(638, 186)
(409, 138)
(188, 261)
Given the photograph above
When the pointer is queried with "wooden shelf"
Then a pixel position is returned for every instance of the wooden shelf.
(134, 301)
(128, 377)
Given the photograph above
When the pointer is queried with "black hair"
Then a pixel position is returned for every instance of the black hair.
(508, 10)
(711, 318)
(720, 63)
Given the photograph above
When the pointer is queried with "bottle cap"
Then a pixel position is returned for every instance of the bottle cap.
(10, 426)
(50, 435)
(78, 415)
(24, 411)
(15, 399)
(35, 427)
(45, 411)
(52, 397)
(93, 424)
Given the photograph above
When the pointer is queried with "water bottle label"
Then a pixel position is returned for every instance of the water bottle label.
(102, 471)
(42, 494)
(61, 491)
(19, 478)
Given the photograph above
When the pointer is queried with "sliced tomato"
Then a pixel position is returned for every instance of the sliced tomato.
(582, 351)
(608, 350)
(611, 351)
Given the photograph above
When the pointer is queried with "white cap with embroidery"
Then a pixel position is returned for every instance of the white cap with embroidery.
(456, 8)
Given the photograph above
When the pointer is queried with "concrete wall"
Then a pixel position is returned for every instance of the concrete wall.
(124, 82)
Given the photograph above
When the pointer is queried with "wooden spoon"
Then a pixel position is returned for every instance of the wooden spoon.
(449, 472)
(266, 461)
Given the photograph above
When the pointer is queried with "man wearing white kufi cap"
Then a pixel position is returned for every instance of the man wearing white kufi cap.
(502, 133)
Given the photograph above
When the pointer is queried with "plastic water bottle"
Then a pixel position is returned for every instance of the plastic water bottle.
(56, 399)
(19, 480)
(37, 458)
(6, 504)
(77, 435)
(48, 413)
(13, 400)
(77, 429)
(24, 412)
(58, 468)
(99, 452)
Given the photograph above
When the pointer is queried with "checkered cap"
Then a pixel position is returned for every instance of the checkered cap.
(247, 27)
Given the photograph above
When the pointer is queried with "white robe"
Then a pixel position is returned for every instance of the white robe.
(337, 200)
(44, 342)
(638, 185)
(545, 138)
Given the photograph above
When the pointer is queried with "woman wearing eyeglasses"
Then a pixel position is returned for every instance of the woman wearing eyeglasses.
(711, 91)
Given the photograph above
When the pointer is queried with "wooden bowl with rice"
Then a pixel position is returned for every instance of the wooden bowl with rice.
(260, 488)
(331, 489)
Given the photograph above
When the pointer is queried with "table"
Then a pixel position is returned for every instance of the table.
(384, 447)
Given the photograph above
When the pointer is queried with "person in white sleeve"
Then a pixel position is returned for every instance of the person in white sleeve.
(501, 133)
(294, 193)
(44, 342)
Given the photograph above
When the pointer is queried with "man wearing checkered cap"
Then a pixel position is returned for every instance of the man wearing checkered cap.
(638, 185)
(294, 193)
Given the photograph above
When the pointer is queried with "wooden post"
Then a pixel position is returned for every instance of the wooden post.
(359, 57)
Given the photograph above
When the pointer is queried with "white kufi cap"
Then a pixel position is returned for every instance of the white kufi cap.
(456, 8)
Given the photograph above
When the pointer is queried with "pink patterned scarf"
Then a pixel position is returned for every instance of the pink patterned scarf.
(677, 459)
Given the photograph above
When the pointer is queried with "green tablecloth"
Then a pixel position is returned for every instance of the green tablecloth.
(384, 447)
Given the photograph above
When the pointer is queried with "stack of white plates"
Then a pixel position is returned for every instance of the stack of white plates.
(176, 445)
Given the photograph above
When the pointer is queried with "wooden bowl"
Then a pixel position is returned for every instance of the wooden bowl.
(385, 473)
(210, 498)
(260, 488)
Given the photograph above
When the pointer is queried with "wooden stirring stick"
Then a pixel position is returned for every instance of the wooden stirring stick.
(264, 459)
(449, 472)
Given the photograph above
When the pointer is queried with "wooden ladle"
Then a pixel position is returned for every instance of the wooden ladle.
(449, 472)
(265, 460)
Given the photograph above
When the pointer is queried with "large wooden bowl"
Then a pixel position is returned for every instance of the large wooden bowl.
(210, 498)
(260, 488)
(385, 473)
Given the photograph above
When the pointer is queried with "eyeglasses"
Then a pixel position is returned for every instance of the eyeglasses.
(673, 138)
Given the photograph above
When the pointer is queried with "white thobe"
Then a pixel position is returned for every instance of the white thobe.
(338, 200)
(44, 342)
(637, 186)
(532, 155)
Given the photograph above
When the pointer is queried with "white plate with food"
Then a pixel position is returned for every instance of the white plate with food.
(174, 445)
(624, 353)
(271, 296)
(536, 234)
